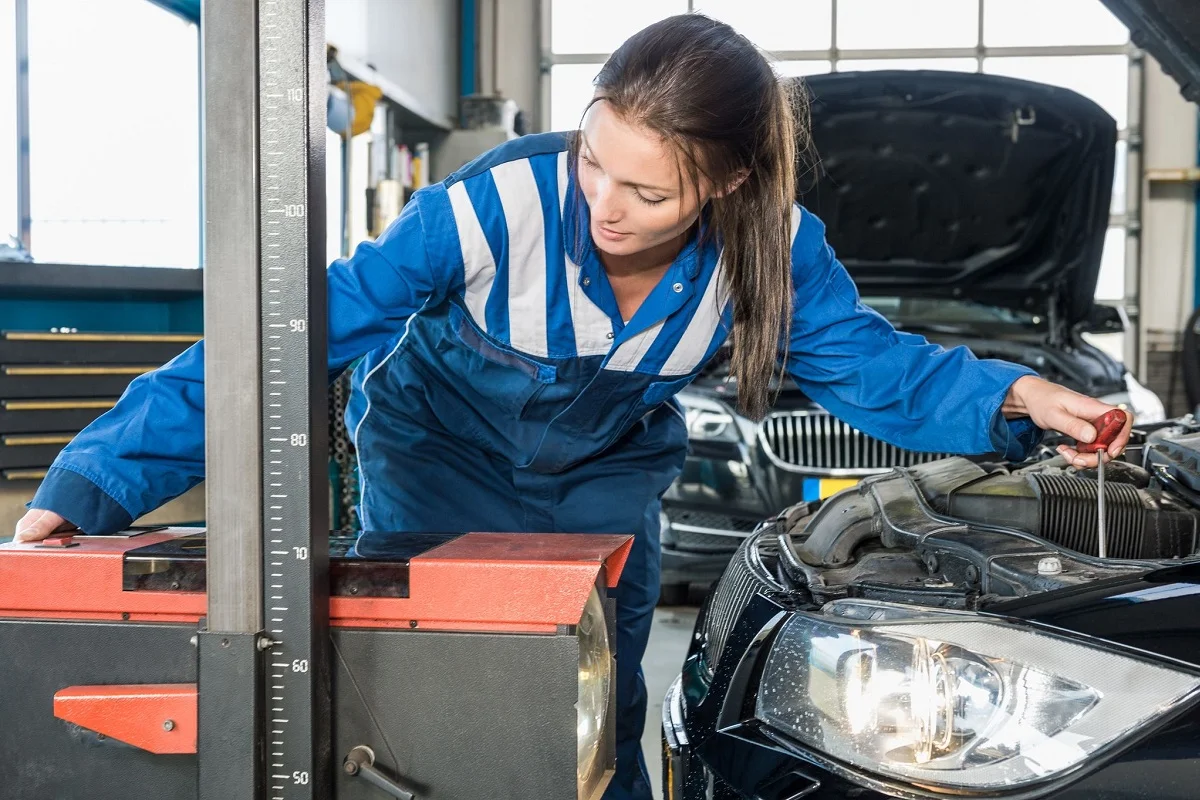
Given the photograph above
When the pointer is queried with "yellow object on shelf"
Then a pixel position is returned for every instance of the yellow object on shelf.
(363, 97)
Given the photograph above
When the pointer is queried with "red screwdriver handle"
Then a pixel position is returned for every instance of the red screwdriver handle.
(1107, 426)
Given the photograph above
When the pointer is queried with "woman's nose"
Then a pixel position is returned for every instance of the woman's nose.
(607, 207)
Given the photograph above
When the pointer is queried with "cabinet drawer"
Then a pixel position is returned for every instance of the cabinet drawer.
(29, 450)
(34, 347)
(29, 381)
(31, 416)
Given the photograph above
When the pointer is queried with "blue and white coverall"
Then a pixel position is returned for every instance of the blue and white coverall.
(501, 390)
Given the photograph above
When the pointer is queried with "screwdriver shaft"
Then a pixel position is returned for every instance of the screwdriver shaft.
(1101, 528)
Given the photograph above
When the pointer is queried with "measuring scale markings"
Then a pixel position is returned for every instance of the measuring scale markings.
(283, 146)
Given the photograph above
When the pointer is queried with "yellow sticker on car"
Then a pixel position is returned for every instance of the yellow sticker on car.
(831, 486)
(821, 488)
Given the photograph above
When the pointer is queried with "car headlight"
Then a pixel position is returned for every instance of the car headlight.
(955, 701)
(707, 420)
(595, 691)
(1146, 406)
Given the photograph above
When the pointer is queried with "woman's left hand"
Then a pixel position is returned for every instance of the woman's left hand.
(1057, 408)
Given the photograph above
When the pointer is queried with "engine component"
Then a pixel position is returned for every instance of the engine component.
(1061, 508)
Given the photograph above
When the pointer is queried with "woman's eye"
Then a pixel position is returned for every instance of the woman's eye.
(648, 201)
(588, 162)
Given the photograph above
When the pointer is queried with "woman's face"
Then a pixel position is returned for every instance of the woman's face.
(631, 179)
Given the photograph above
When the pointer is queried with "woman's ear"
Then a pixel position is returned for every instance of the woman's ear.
(738, 179)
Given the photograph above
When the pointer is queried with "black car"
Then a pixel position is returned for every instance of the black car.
(970, 209)
(950, 630)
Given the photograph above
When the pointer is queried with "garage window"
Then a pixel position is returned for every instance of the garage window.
(114, 122)
(8, 123)
(1078, 44)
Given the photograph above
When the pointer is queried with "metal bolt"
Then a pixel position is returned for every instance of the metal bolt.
(169, 725)
(350, 768)
(1049, 566)
(195, 640)
(972, 573)
(124, 615)
(412, 623)
(175, 585)
(265, 643)
(224, 643)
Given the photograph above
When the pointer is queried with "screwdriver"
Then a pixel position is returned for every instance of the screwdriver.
(1107, 426)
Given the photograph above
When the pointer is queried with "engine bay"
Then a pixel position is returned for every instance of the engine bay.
(956, 533)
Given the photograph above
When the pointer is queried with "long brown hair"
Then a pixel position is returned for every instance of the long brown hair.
(715, 97)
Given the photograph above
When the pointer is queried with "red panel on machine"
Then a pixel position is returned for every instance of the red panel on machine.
(527, 583)
(158, 717)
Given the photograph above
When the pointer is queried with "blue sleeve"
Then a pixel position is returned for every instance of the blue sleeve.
(892, 385)
(150, 447)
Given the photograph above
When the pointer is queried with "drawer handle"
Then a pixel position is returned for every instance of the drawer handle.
(102, 337)
(54, 405)
(77, 370)
(25, 440)
(24, 474)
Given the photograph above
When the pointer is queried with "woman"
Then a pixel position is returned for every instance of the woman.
(526, 323)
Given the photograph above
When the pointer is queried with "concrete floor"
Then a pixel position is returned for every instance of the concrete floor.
(669, 638)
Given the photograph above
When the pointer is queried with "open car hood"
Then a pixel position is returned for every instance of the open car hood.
(964, 185)
(1170, 31)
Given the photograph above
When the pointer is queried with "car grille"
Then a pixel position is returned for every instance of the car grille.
(821, 441)
(744, 577)
(714, 520)
(706, 542)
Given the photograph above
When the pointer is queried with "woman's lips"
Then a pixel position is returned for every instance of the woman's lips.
(610, 234)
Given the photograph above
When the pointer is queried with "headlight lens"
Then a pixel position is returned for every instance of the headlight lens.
(954, 701)
(1146, 406)
(595, 689)
(707, 420)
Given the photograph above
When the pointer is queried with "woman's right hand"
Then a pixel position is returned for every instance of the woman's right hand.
(38, 524)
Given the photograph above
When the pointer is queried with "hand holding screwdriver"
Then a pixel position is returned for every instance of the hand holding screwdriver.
(1108, 426)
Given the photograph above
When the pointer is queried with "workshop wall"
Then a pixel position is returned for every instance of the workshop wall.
(517, 72)
(413, 44)
(1168, 254)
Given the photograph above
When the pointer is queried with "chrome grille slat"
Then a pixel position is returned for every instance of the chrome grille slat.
(816, 440)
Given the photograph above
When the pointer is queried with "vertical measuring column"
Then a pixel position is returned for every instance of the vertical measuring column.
(230, 662)
(292, 89)
(263, 670)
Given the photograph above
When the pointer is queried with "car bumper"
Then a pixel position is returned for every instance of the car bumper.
(675, 752)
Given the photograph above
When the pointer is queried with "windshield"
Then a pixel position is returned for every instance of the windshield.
(914, 312)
